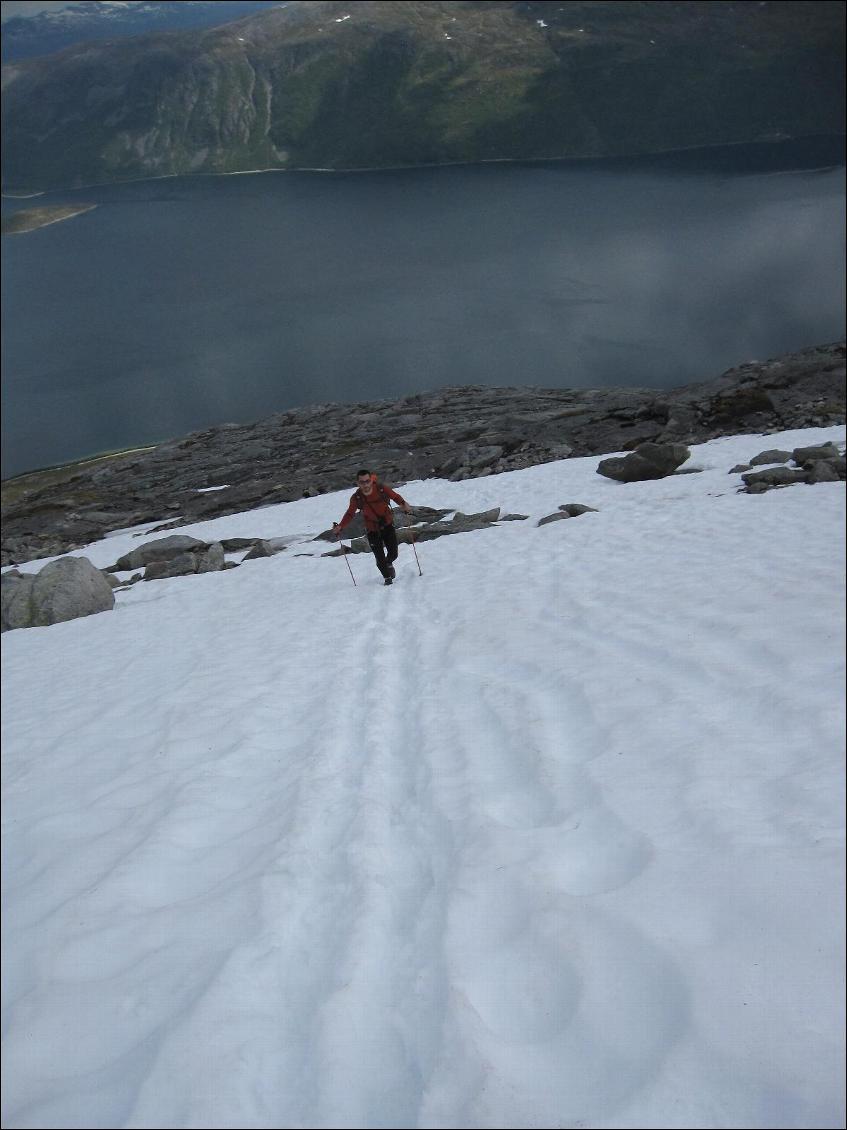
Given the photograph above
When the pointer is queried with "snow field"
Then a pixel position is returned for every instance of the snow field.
(550, 836)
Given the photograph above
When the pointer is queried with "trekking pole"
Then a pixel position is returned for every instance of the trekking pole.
(344, 555)
(412, 538)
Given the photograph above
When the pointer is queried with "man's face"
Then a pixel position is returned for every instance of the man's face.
(365, 483)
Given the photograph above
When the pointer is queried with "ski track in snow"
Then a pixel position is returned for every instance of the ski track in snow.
(390, 857)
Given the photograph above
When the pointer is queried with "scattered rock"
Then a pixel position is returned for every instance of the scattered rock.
(820, 464)
(775, 477)
(266, 547)
(458, 524)
(164, 549)
(566, 510)
(235, 545)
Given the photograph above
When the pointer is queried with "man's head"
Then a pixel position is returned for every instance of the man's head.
(363, 478)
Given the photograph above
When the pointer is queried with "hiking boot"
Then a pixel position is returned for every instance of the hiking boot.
(388, 581)
(389, 572)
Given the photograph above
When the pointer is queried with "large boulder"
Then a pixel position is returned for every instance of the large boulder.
(163, 549)
(207, 559)
(648, 461)
(64, 590)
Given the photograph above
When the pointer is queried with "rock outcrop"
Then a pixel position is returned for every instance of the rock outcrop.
(455, 433)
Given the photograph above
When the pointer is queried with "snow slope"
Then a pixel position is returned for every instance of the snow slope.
(551, 836)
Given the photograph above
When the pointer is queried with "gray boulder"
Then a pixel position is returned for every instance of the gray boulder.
(477, 457)
(64, 590)
(181, 565)
(566, 510)
(774, 455)
(163, 549)
(463, 522)
(210, 559)
(774, 477)
(825, 471)
(266, 547)
(648, 461)
(15, 593)
(213, 560)
(803, 456)
(458, 524)
(235, 545)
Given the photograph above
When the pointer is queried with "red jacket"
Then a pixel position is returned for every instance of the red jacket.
(373, 506)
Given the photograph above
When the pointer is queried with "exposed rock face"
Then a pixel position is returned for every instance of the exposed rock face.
(63, 590)
(319, 448)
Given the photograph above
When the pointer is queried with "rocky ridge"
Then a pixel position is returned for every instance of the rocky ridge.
(456, 433)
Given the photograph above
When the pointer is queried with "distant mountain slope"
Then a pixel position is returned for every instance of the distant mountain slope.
(375, 84)
(25, 37)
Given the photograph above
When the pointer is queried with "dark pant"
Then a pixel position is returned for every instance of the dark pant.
(384, 545)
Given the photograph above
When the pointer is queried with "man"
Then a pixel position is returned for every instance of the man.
(373, 499)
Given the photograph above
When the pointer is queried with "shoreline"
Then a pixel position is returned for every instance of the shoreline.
(607, 159)
(624, 390)
(83, 461)
(38, 218)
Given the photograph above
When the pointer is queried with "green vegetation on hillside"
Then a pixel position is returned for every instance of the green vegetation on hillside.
(405, 82)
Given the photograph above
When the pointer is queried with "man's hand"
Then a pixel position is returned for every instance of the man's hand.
(335, 532)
